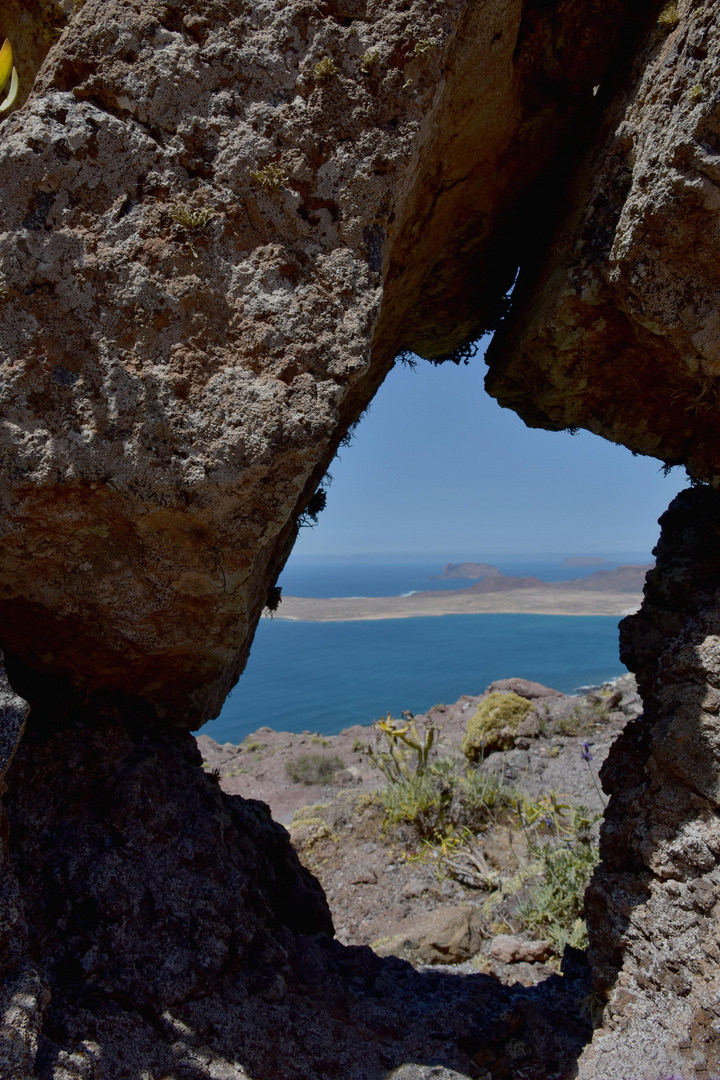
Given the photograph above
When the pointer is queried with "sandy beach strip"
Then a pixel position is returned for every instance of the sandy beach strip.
(548, 600)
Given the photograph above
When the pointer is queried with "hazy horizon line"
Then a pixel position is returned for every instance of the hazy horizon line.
(443, 557)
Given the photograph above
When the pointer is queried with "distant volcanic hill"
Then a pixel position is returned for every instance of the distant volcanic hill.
(622, 579)
(471, 570)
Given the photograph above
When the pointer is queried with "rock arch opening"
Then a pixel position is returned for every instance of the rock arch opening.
(245, 216)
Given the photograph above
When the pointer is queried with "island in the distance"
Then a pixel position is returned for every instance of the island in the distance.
(471, 570)
(606, 592)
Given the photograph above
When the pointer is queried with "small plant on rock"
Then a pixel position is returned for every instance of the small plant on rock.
(311, 769)
(194, 219)
(369, 61)
(408, 746)
(696, 93)
(422, 48)
(669, 16)
(325, 69)
(271, 177)
(191, 217)
(494, 725)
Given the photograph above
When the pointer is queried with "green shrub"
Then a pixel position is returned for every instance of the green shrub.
(554, 904)
(314, 768)
(494, 725)
(480, 799)
(549, 888)
(422, 799)
(441, 802)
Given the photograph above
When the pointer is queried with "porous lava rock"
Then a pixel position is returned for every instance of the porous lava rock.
(221, 221)
(615, 324)
(653, 904)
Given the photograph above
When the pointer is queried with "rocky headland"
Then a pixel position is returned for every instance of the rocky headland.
(471, 570)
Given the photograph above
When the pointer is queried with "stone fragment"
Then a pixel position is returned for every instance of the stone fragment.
(523, 688)
(413, 887)
(513, 949)
(447, 935)
(364, 877)
(529, 728)
(347, 777)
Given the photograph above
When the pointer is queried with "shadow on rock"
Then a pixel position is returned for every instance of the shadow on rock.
(171, 932)
(652, 904)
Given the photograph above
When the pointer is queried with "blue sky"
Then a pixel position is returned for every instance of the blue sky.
(437, 468)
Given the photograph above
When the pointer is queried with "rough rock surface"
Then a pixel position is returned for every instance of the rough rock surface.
(653, 904)
(513, 949)
(615, 323)
(220, 223)
(171, 932)
(446, 935)
(13, 717)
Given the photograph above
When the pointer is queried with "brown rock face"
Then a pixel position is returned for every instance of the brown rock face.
(654, 901)
(220, 223)
(615, 327)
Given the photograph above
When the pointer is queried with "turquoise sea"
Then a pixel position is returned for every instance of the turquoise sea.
(323, 677)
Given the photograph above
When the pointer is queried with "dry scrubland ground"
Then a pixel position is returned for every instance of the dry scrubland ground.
(422, 874)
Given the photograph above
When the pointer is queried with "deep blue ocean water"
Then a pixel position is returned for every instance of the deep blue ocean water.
(323, 677)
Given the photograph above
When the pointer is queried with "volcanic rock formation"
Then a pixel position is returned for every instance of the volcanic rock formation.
(615, 326)
(221, 222)
(653, 904)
